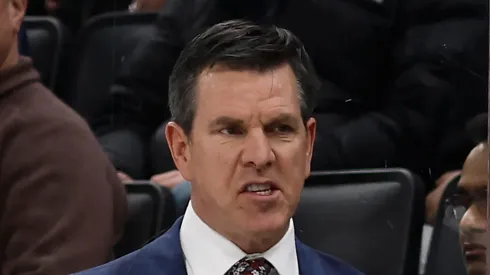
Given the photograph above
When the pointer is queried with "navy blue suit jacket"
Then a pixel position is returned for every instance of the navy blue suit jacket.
(164, 256)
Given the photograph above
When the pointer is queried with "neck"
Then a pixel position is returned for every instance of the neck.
(256, 242)
(12, 58)
(249, 242)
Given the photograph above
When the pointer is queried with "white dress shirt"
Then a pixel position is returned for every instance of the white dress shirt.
(206, 252)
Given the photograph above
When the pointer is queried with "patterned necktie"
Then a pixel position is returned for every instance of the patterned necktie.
(247, 266)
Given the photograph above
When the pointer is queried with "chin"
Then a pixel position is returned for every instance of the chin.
(264, 223)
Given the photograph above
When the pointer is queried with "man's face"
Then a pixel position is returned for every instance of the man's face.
(248, 135)
(11, 16)
(473, 192)
(5, 31)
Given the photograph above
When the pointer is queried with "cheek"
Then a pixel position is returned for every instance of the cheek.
(5, 41)
(471, 223)
(291, 156)
(291, 164)
(216, 165)
(473, 218)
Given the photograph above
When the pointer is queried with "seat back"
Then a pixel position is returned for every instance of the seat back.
(160, 156)
(46, 37)
(445, 255)
(92, 8)
(146, 210)
(371, 219)
(103, 43)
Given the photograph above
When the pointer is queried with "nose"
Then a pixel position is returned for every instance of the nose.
(257, 151)
(473, 222)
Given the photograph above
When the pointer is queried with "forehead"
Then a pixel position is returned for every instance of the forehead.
(475, 169)
(220, 89)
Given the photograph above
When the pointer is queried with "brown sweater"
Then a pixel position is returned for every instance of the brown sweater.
(62, 207)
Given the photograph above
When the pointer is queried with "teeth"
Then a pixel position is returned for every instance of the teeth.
(264, 193)
(260, 188)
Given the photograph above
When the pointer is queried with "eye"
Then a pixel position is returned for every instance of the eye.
(480, 199)
(459, 200)
(283, 129)
(231, 131)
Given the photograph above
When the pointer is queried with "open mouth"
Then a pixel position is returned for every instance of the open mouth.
(475, 252)
(262, 189)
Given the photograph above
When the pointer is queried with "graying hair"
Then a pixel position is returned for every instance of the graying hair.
(239, 45)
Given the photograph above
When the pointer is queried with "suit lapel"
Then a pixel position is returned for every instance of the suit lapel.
(308, 260)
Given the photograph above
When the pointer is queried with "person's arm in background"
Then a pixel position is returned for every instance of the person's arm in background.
(64, 206)
(434, 41)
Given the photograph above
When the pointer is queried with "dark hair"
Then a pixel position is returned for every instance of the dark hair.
(238, 45)
(477, 127)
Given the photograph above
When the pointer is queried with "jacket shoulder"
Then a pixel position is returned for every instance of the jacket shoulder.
(314, 262)
(161, 256)
(337, 266)
(120, 266)
(148, 260)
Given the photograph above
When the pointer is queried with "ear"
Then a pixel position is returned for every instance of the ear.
(179, 145)
(310, 139)
(17, 10)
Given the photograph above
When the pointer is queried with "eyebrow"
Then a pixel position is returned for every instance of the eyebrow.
(473, 190)
(460, 190)
(284, 118)
(226, 120)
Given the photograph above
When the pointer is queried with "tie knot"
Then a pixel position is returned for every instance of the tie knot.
(250, 266)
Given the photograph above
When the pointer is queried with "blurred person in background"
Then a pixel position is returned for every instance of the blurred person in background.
(70, 12)
(172, 179)
(399, 80)
(146, 5)
(74, 13)
(468, 206)
(62, 207)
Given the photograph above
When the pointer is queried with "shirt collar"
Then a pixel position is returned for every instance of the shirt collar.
(207, 252)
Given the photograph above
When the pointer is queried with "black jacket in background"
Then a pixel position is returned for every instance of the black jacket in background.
(400, 78)
(23, 42)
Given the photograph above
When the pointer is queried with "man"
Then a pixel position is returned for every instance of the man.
(62, 207)
(472, 196)
(71, 13)
(241, 98)
(469, 205)
(397, 76)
